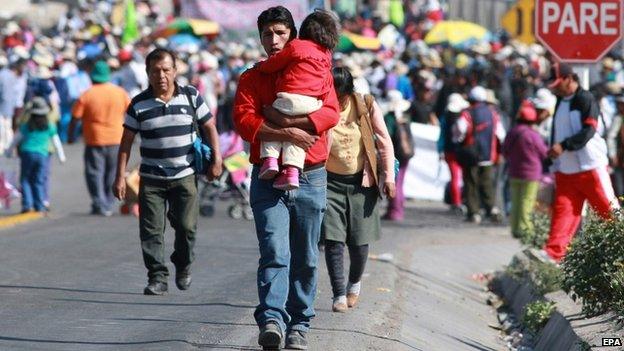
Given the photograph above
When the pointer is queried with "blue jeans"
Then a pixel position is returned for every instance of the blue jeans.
(288, 226)
(32, 180)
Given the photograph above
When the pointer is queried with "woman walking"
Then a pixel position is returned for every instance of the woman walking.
(360, 167)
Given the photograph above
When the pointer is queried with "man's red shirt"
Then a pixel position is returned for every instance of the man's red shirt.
(257, 89)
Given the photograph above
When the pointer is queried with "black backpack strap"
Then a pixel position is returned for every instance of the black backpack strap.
(194, 111)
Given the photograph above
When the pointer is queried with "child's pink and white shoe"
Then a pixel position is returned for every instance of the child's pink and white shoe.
(288, 179)
(269, 169)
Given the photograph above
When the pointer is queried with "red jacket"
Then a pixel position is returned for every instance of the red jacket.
(257, 89)
(303, 67)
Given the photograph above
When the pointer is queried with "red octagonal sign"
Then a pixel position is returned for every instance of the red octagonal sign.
(578, 30)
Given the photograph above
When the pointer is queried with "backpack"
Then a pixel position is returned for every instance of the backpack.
(403, 142)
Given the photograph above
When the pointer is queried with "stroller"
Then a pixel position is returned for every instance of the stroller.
(232, 184)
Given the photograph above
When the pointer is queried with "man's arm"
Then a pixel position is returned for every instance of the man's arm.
(125, 147)
(216, 166)
(246, 116)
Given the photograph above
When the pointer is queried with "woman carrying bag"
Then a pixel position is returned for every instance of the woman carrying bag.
(360, 168)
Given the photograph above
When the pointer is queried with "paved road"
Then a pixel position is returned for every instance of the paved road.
(74, 282)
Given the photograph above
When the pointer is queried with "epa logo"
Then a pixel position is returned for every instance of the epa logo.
(611, 342)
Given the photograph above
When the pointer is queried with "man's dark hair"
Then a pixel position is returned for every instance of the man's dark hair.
(320, 27)
(157, 55)
(277, 14)
(343, 81)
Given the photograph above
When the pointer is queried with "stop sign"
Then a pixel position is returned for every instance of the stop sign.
(580, 30)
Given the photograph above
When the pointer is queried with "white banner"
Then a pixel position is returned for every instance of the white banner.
(239, 15)
(427, 175)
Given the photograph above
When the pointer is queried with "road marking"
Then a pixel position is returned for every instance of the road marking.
(10, 221)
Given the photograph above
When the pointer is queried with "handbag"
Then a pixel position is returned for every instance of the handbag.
(202, 151)
(368, 100)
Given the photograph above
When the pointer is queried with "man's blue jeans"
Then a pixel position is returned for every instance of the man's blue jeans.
(32, 180)
(288, 226)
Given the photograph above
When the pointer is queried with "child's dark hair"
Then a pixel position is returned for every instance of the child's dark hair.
(320, 27)
(37, 122)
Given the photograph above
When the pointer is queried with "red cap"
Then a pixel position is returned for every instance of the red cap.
(558, 72)
(124, 55)
(527, 112)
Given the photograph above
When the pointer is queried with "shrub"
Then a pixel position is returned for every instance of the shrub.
(594, 266)
(547, 277)
(541, 228)
(536, 314)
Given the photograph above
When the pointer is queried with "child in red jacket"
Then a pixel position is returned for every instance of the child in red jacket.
(305, 76)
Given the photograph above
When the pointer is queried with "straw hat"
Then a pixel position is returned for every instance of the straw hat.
(208, 60)
(491, 97)
(396, 102)
(39, 106)
(401, 68)
(11, 28)
(482, 48)
(43, 72)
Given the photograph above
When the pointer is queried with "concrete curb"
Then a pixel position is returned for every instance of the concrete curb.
(567, 328)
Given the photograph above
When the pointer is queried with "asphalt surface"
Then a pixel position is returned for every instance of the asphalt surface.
(74, 282)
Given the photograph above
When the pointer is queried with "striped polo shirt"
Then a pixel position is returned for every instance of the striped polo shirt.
(166, 131)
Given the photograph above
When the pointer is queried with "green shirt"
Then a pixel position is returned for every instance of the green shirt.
(37, 141)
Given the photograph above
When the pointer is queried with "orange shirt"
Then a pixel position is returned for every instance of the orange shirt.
(102, 109)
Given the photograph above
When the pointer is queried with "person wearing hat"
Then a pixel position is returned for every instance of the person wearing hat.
(447, 148)
(398, 123)
(33, 138)
(579, 160)
(524, 150)
(101, 109)
(615, 146)
(13, 84)
(544, 102)
(130, 75)
(479, 132)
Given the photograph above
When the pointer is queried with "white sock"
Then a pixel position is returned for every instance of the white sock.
(340, 299)
(354, 288)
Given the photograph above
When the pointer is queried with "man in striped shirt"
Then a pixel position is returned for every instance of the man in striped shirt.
(163, 116)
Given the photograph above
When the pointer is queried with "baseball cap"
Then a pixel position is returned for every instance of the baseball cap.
(477, 94)
(527, 112)
(558, 72)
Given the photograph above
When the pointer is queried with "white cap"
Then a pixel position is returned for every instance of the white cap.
(544, 99)
(396, 102)
(478, 94)
(456, 103)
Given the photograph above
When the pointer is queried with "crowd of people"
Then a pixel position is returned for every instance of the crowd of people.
(333, 125)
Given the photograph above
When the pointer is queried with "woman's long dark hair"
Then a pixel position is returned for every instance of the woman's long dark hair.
(343, 81)
(37, 122)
